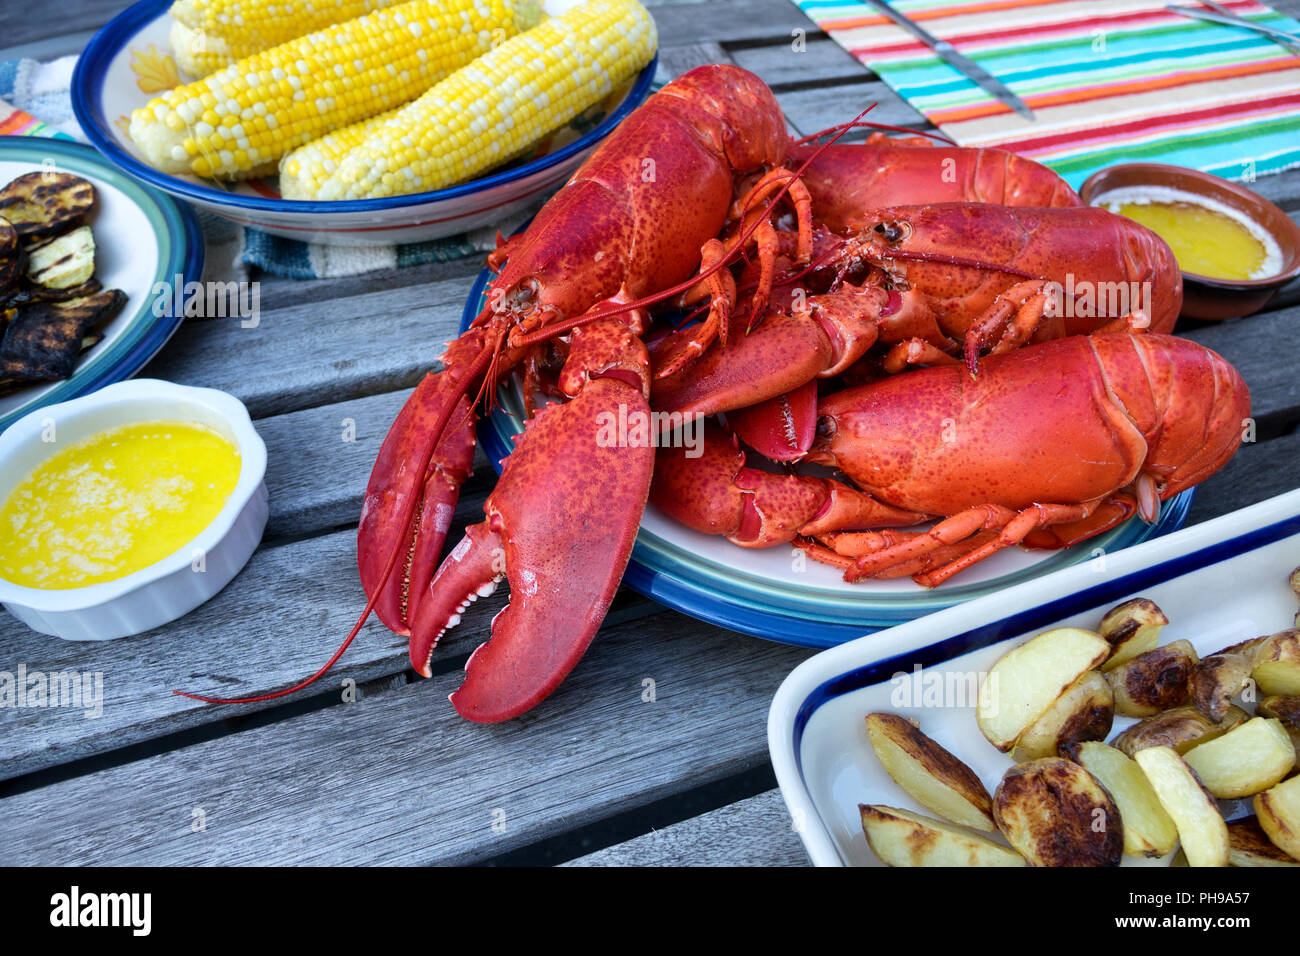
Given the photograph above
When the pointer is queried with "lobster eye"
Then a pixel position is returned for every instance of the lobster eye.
(892, 231)
(825, 428)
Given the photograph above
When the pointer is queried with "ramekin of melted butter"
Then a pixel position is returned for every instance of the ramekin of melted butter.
(1208, 238)
(114, 503)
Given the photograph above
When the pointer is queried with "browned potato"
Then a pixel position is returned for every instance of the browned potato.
(931, 775)
(1276, 668)
(1132, 628)
(1286, 708)
(1084, 712)
(1222, 676)
(1245, 760)
(1278, 810)
(1181, 728)
(1027, 679)
(1201, 829)
(1056, 814)
(1148, 829)
(901, 838)
(1154, 681)
(1249, 845)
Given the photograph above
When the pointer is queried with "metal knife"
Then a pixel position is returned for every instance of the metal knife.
(948, 53)
(1226, 17)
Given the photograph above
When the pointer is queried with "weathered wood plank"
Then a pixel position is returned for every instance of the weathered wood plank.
(315, 353)
(781, 64)
(812, 110)
(752, 832)
(399, 778)
(1258, 471)
(750, 21)
(1260, 346)
(277, 622)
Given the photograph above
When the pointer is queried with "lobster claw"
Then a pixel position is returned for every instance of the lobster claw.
(393, 482)
(560, 526)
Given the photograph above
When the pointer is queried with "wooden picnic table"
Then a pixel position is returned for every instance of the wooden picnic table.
(596, 774)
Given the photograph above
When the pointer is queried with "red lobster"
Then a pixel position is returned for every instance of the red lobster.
(992, 276)
(637, 223)
(561, 521)
(1048, 445)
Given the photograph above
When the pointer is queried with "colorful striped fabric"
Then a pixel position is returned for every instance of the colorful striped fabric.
(14, 122)
(1108, 80)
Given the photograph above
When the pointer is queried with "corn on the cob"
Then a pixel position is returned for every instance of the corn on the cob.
(320, 158)
(209, 35)
(499, 105)
(231, 124)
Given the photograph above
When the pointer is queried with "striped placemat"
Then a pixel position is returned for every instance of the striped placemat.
(1108, 80)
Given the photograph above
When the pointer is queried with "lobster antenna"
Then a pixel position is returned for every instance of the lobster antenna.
(484, 358)
(559, 328)
(811, 137)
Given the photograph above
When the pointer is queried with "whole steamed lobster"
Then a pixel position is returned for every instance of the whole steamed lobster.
(937, 256)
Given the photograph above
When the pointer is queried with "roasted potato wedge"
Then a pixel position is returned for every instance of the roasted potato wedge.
(1276, 659)
(1028, 678)
(1084, 712)
(1148, 829)
(1286, 708)
(931, 775)
(1245, 760)
(1155, 681)
(1181, 728)
(1278, 810)
(1221, 677)
(1201, 829)
(1054, 813)
(64, 262)
(1249, 845)
(901, 838)
(46, 203)
(1132, 628)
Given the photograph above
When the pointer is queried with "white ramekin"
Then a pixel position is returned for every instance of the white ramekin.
(163, 591)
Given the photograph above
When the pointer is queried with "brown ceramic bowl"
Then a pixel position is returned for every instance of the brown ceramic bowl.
(1205, 297)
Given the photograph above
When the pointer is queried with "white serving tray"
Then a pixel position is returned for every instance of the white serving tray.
(1219, 582)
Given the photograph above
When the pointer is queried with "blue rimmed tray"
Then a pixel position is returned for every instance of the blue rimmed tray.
(1219, 582)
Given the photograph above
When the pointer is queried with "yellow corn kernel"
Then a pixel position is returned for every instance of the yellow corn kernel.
(501, 104)
(267, 104)
(209, 35)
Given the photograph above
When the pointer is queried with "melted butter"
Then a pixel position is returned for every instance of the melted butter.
(114, 503)
(1207, 237)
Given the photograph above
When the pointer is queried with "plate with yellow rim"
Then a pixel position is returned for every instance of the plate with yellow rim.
(128, 62)
(780, 594)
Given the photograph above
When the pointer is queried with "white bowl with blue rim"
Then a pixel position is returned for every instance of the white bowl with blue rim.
(176, 584)
(145, 243)
(128, 62)
(1218, 582)
(781, 594)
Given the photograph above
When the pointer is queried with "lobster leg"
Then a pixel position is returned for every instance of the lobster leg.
(716, 493)
(780, 355)
(1012, 527)
(559, 526)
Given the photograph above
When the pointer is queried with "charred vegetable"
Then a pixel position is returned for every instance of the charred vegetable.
(42, 342)
(46, 203)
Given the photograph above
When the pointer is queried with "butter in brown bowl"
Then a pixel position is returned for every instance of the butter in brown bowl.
(1236, 249)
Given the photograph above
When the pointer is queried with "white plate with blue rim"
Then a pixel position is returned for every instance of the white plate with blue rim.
(144, 240)
(1219, 582)
(779, 593)
(128, 62)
